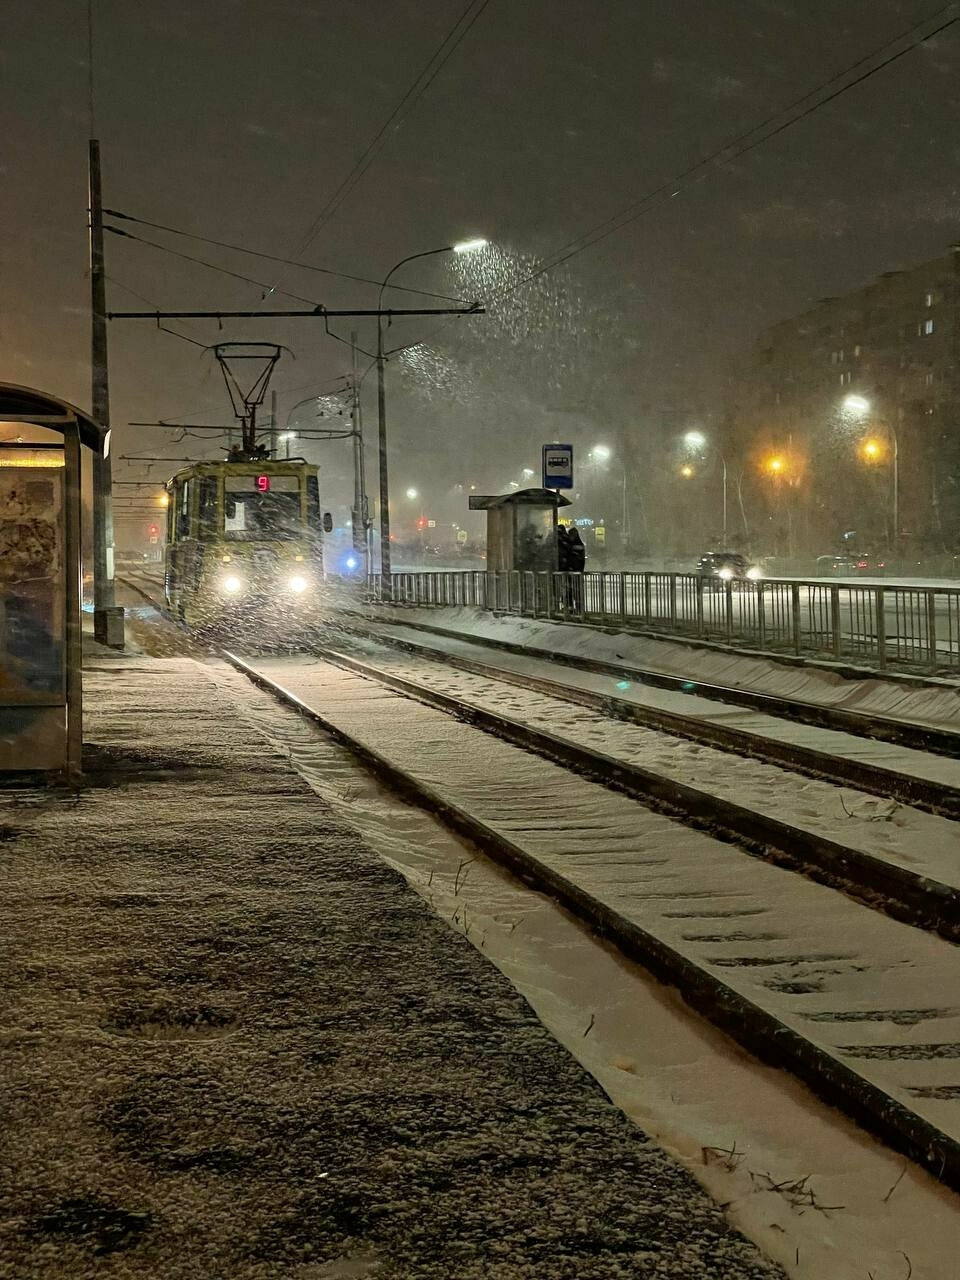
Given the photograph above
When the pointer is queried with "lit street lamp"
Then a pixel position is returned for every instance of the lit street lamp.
(466, 246)
(872, 451)
(412, 494)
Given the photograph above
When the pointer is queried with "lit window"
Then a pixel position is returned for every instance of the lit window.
(928, 379)
(928, 327)
(928, 300)
(856, 351)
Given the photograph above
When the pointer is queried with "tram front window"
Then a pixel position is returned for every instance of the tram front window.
(262, 517)
(262, 508)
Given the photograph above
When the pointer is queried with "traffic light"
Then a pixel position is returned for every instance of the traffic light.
(153, 530)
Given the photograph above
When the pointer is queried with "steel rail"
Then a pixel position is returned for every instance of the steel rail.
(757, 1029)
(921, 793)
(881, 885)
(945, 742)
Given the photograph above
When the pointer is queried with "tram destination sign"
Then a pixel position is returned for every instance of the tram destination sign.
(558, 466)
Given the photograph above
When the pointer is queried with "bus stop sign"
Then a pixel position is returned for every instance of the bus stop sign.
(558, 466)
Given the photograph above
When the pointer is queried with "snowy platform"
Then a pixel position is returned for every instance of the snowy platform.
(236, 1044)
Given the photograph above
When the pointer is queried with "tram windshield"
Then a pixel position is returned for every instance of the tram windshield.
(261, 508)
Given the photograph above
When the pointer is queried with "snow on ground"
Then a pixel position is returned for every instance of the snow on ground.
(868, 992)
(742, 1128)
(937, 702)
(882, 756)
(919, 842)
(236, 1045)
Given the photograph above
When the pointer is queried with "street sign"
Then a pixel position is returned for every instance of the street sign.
(558, 466)
(600, 533)
(461, 535)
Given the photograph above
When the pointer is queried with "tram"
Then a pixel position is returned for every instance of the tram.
(244, 542)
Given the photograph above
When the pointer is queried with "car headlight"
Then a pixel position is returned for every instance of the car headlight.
(725, 573)
(298, 585)
(231, 585)
(754, 574)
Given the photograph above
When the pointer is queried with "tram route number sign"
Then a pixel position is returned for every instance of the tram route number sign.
(558, 466)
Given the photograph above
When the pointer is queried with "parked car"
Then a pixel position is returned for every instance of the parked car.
(727, 566)
(850, 566)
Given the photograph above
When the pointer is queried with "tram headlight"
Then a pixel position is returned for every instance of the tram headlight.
(754, 573)
(231, 585)
(725, 573)
(298, 584)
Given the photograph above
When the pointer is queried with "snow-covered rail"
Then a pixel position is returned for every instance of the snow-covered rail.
(851, 1001)
(873, 624)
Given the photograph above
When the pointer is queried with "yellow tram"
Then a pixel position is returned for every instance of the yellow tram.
(244, 542)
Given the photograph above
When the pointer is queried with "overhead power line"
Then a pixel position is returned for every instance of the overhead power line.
(745, 142)
(212, 266)
(421, 83)
(272, 257)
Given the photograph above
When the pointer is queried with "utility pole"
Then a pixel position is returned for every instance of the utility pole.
(360, 515)
(382, 455)
(273, 424)
(107, 618)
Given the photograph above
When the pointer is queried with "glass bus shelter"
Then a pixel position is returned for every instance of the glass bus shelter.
(41, 438)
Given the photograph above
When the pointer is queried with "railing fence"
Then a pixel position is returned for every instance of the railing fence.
(877, 625)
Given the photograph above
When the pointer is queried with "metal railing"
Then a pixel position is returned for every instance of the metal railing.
(915, 627)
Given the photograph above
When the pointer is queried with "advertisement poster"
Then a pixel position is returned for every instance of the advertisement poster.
(31, 586)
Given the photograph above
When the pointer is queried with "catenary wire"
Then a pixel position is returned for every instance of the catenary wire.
(732, 150)
(412, 96)
(271, 257)
(186, 257)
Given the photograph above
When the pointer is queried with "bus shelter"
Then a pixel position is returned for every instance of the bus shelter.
(521, 529)
(41, 438)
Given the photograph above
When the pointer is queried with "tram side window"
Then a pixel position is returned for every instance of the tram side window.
(208, 506)
(313, 502)
(184, 501)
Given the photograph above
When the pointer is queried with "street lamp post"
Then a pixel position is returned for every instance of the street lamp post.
(697, 440)
(464, 247)
(858, 407)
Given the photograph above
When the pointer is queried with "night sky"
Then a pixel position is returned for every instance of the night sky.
(237, 120)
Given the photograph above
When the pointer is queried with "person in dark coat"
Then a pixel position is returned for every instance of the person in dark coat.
(576, 551)
(563, 550)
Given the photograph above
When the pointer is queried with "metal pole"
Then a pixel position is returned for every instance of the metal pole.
(273, 424)
(896, 494)
(107, 623)
(723, 463)
(359, 477)
(382, 448)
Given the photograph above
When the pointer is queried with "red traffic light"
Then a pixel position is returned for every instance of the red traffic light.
(153, 530)
(422, 522)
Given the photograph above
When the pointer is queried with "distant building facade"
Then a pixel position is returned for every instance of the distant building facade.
(849, 414)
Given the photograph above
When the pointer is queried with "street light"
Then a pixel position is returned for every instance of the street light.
(856, 406)
(412, 494)
(695, 440)
(686, 471)
(464, 246)
(600, 453)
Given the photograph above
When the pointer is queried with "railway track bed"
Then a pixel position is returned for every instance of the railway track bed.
(798, 973)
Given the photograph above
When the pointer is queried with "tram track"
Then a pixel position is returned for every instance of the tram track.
(798, 974)
(881, 728)
(852, 1002)
(869, 776)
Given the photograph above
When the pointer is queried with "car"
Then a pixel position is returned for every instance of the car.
(727, 566)
(850, 566)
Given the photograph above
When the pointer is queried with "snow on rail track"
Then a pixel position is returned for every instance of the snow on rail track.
(894, 857)
(856, 1004)
(903, 773)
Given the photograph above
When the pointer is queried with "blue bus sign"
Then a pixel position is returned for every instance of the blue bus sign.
(558, 466)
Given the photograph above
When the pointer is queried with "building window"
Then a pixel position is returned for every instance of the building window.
(927, 327)
(928, 300)
(928, 379)
(856, 351)
(845, 378)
